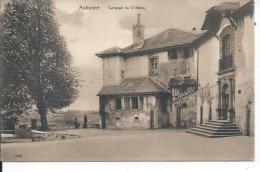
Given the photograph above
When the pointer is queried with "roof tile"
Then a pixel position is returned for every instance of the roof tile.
(133, 86)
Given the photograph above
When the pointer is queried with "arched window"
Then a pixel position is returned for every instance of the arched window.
(227, 43)
(226, 46)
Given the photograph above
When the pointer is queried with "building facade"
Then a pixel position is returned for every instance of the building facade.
(136, 91)
(181, 79)
(228, 84)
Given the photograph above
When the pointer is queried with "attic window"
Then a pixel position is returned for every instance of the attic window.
(172, 54)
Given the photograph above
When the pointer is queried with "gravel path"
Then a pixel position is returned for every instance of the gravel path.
(132, 145)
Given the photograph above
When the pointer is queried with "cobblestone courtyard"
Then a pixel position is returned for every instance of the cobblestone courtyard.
(132, 145)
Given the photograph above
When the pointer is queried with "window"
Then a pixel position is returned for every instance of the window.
(172, 54)
(134, 101)
(226, 45)
(185, 52)
(127, 102)
(111, 103)
(118, 103)
(154, 65)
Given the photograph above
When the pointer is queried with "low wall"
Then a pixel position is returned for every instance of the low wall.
(128, 119)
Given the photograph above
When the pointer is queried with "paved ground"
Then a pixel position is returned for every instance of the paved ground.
(132, 145)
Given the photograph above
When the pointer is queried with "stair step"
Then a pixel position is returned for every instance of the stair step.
(208, 135)
(216, 132)
(221, 124)
(199, 133)
(217, 126)
(218, 129)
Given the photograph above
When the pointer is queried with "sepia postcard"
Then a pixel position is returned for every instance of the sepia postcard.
(127, 80)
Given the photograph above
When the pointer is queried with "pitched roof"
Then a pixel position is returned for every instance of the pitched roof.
(140, 85)
(167, 39)
(225, 6)
(215, 14)
(112, 50)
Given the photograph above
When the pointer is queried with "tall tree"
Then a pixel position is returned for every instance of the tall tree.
(36, 63)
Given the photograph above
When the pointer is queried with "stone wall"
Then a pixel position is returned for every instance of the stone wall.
(244, 63)
(112, 70)
(129, 119)
(137, 118)
(188, 110)
(175, 68)
(208, 59)
(136, 66)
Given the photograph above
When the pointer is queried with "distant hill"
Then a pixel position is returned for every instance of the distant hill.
(91, 83)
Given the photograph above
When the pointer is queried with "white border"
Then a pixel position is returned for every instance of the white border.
(253, 166)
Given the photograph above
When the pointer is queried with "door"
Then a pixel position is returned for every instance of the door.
(151, 119)
(201, 114)
(225, 102)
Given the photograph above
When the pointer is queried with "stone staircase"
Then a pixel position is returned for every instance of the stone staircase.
(216, 129)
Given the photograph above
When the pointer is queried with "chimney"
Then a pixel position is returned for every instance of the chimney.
(138, 33)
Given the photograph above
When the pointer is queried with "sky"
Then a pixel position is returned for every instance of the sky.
(88, 32)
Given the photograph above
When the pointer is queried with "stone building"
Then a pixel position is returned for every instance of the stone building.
(205, 75)
(136, 91)
(226, 68)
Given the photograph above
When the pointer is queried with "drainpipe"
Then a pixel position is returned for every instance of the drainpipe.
(198, 55)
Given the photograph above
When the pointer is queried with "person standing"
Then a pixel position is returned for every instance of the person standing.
(85, 121)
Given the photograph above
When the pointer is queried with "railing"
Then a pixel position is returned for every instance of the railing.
(225, 63)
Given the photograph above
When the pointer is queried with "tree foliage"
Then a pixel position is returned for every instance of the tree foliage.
(36, 65)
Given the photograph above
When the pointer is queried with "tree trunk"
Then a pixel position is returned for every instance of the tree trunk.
(178, 117)
(44, 122)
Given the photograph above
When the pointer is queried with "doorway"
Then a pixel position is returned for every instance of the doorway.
(151, 119)
(225, 102)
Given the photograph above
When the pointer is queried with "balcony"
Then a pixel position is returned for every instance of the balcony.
(226, 64)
